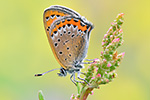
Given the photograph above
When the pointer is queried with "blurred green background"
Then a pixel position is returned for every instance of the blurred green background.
(24, 49)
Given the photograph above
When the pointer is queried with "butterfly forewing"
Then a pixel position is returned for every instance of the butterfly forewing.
(55, 12)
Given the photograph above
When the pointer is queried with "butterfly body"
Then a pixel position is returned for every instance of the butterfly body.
(68, 34)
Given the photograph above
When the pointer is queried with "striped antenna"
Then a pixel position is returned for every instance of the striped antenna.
(47, 72)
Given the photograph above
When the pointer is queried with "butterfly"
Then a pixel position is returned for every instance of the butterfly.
(68, 34)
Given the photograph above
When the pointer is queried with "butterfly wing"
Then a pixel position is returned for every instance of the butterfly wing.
(69, 38)
(54, 13)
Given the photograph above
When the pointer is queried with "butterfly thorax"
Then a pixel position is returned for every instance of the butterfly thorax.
(71, 70)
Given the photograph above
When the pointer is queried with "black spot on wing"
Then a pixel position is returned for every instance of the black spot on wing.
(55, 44)
(52, 35)
(60, 52)
(59, 28)
(64, 26)
(52, 15)
(79, 30)
(70, 55)
(47, 18)
(69, 32)
(67, 48)
(58, 40)
(72, 35)
(58, 23)
(74, 26)
(69, 19)
(63, 21)
(55, 32)
(64, 32)
(87, 26)
(76, 20)
(82, 24)
(85, 31)
(68, 25)
(57, 16)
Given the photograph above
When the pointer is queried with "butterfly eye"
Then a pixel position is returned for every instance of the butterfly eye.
(47, 18)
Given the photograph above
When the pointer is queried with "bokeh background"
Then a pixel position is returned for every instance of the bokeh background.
(24, 49)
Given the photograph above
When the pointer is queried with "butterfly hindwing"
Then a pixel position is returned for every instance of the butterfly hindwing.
(69, 38)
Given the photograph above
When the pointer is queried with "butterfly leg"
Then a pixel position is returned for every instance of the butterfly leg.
(82, 78)
(76, 80)
(86, 62)
(89, 59)
(82, 73)
(72, 80)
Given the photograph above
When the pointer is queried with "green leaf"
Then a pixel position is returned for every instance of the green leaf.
(41, 97)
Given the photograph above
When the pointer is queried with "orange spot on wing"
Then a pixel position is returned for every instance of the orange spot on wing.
(49, 13)
(83, 28)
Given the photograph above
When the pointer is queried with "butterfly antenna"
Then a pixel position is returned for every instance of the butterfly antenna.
(47, 72)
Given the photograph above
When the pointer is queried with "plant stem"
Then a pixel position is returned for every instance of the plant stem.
(86, 91)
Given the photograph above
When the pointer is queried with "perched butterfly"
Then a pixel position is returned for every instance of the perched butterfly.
(68, 34)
